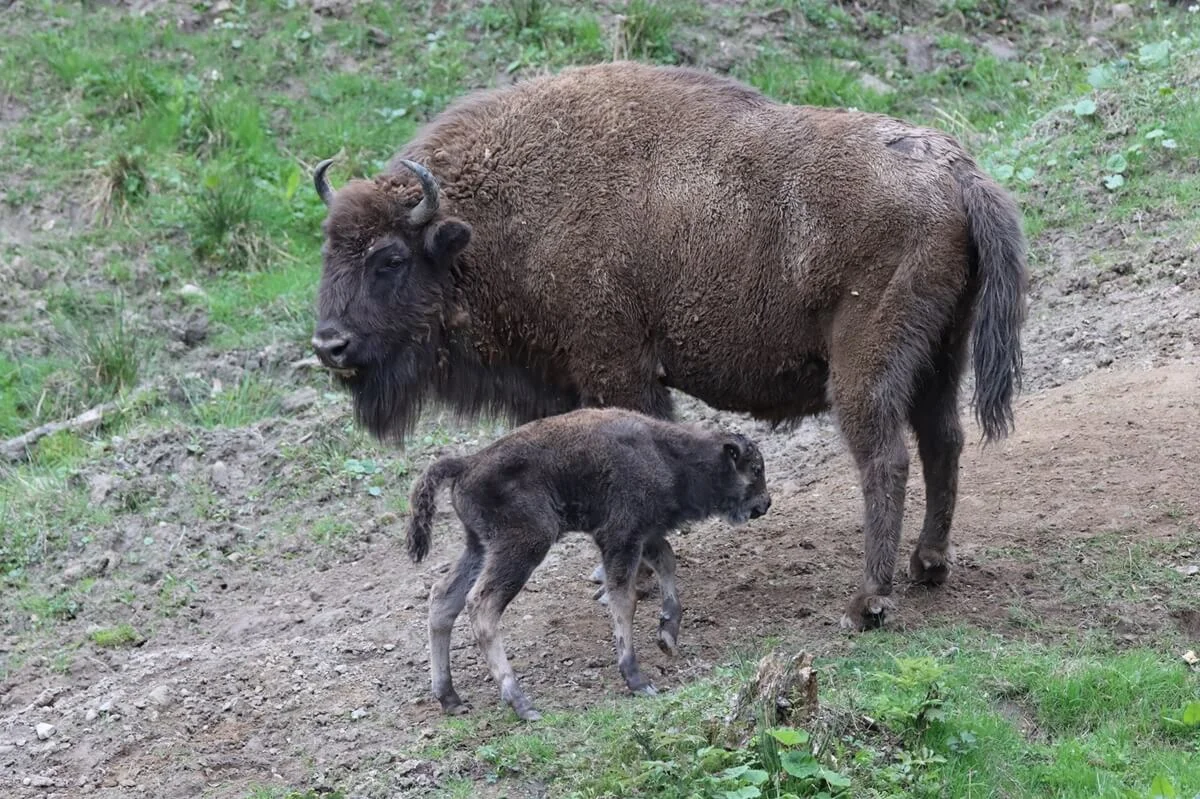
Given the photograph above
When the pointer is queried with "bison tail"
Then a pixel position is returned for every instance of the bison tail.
(424, 503)
(999, 246)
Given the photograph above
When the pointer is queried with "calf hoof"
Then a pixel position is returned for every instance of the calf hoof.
(645, 689)
(866, 612)
(527, 713)
(928, 567)
(668, 635)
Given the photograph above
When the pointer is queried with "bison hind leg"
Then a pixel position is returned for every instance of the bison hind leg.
(938, 428)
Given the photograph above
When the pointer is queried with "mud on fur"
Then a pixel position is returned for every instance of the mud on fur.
(620, 476)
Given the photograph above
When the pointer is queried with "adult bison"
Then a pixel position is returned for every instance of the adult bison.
(600, 235)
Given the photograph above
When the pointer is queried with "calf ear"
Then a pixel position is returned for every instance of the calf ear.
(446, 239)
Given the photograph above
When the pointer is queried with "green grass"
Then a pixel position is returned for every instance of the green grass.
(112, 637)
(951, 712)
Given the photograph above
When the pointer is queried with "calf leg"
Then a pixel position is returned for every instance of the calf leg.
(510, 560)
(446, 601)
(620, 566)
(939, 434)
(658, 553)
(640, 389)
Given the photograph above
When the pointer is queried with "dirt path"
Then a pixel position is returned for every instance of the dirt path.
(288, 665)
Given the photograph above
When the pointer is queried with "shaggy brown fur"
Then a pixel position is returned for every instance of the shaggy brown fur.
(622, 477)
(615, 230)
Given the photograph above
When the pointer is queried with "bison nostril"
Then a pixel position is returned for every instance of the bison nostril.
(330, 345)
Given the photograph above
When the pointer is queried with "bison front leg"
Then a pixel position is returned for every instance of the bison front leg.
(620, 565)
(658, 553)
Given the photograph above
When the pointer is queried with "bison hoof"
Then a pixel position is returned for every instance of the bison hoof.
(866, 612)
(645, 689)
(453, 706)
(666, 642)
(928, 568)
(528, 714)
(597, 574)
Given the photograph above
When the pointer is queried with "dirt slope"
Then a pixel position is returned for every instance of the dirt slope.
(293, 664)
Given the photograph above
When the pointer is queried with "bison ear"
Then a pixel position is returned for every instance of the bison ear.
(733, 452)
(446, 239)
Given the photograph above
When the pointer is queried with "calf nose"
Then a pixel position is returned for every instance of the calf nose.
(761, 510)
(330, 344)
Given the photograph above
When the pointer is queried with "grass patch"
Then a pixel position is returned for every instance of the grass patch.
(122, 635)
(950, 712)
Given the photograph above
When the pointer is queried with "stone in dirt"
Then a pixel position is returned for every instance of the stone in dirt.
(47, 697)
(160, 696)
(45, 731)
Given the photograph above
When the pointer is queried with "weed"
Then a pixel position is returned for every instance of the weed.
(645, 31)
(329, 531)
(118, 183)
(113, 637)
(250, 399)
(527, 13)
(225, 231)
(111, 355)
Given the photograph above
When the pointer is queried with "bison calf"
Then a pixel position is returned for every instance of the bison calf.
(622, 477)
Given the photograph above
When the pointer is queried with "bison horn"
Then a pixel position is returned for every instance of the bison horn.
(427, 208)
(324, 190)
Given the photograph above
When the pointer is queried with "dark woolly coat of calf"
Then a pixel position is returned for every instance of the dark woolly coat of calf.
(608, 472)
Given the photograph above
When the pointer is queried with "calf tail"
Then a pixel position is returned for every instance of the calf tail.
(999, 246)
(423, 500)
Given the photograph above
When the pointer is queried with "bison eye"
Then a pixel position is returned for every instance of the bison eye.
(387, 259)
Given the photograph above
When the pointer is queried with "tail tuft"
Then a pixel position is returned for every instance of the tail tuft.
(423, 500)
(994, 223)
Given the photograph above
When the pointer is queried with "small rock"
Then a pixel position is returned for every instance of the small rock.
(778, 15)
(45, 731)
(298, 400)
(1188, 570)
(40, 781)
(91, 714)
(340, 668)
(160, 696)
(378, 37)
(191, 290)
(47, 697)
(219, 474)
(1122, 11)
(359, 713)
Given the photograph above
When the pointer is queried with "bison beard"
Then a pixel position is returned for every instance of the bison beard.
(389, 397)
